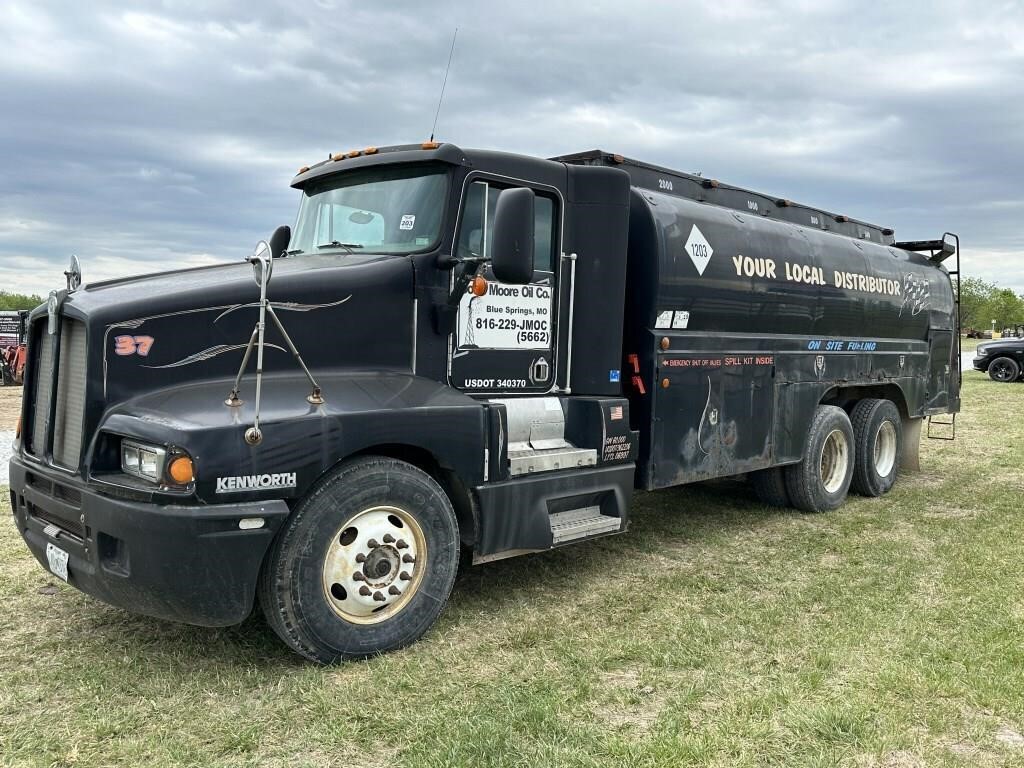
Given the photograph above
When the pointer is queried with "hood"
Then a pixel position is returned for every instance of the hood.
(148, 294)
(157, 331)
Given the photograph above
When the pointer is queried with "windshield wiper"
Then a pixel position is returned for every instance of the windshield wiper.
(294, 252)
(335, 244)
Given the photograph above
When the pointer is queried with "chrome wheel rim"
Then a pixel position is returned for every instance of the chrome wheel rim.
(834, 460)
(885, 448)
(374, 564)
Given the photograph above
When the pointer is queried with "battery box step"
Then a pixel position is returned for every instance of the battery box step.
(527, 461)
(580, 523)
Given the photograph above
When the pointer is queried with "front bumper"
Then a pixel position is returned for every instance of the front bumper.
(980, 363)
(183, 563)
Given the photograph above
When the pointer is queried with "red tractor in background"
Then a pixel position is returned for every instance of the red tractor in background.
(12, 347)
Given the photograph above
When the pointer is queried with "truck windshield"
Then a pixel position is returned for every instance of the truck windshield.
(394, 209)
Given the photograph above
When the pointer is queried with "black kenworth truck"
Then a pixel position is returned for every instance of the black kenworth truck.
(461, 349)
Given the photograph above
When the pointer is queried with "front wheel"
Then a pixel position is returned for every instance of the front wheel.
(821, 480)
(364, 565)
(1003, 369)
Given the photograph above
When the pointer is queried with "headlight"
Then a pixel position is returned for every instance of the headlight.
(145, 461)
(980, 350)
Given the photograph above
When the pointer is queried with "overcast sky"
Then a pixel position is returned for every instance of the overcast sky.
(143, 134)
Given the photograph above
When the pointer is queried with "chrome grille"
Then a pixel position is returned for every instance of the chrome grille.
(66, 399)
(67, 432)
(42, 388)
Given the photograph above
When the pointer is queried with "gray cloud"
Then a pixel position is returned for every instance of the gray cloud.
(169, 131)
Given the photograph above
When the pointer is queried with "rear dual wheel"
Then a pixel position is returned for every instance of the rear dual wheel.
(878, 446)
(364, 565)
(860, 452)
(821, 480)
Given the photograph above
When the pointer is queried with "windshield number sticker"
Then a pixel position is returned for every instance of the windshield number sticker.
(133, 345)
(408, 221)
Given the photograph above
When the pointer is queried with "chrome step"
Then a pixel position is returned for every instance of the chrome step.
(526, 461)
(580, 523)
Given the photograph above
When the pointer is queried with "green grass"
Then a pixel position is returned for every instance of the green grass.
(716, 632)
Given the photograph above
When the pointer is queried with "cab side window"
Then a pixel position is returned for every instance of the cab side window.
(476, 231)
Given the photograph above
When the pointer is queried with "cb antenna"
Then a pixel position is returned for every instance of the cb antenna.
(441, 98)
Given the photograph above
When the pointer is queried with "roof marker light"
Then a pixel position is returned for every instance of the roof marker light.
(430, 145)
(354, 153)
(710, 183)
(303, 169)
(338, 156)
(370, 151)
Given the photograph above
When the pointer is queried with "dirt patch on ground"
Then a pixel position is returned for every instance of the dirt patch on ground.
(10, 406)
(628, 701)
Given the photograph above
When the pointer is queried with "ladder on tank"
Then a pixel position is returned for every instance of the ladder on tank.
(938, 251)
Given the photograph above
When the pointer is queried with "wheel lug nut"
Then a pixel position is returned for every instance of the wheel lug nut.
(393, 590)
(372, 544)
(401, 544)
(364, 591)
(404, 576)
(388, 538)
(379, 597)
(360, 558)
(407, 558)
(358, 576)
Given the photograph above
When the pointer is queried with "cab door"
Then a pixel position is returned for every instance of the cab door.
(505, 340)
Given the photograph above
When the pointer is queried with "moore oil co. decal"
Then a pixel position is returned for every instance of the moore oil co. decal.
(506, 317)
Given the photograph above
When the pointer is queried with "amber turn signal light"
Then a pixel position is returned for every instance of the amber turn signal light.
(181, 470)
(478, 286)
(17, 429)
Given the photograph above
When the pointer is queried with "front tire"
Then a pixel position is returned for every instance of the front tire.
(364, 565)
(878, 446)
(1003, 370)
(821, 481)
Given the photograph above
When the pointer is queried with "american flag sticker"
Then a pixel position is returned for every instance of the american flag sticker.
(615, 413)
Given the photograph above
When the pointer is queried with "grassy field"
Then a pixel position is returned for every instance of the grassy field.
(716, 632)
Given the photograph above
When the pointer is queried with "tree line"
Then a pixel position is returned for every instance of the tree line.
(9, 300)
(982, 302)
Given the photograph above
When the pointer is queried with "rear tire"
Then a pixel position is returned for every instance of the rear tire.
(878, 446)
(364, 565)
(1004, 370)
(821, 481)
(770, 486)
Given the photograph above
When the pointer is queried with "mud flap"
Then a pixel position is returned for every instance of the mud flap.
(910, 461)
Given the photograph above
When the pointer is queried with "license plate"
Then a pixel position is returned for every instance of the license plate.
(58, 560)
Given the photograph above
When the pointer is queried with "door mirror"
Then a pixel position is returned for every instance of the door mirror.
(512, 242)
(279, 240)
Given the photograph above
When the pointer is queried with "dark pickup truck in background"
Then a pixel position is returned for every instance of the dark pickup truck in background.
(1003, 359)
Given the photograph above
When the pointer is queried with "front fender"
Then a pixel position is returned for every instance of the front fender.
(302, 441)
